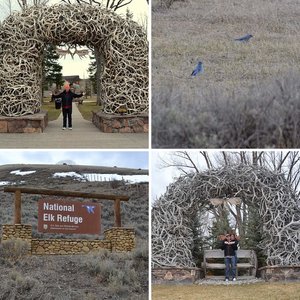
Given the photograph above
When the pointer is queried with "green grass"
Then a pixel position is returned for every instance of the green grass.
(53, 113)
(86, 109)
(259, 291)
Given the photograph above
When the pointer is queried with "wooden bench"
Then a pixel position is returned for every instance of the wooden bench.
(248, 256)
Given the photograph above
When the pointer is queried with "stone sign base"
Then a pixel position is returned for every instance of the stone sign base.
(120, 123)
(280, 273)
(118, 239)
(165, 275)
(25, 124)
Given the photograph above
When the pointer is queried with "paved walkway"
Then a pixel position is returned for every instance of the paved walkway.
(84, 135)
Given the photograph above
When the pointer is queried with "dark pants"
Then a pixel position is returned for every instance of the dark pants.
(230, 266)
(67, 114)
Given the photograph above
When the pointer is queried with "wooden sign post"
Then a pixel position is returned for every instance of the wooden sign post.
(27, 190)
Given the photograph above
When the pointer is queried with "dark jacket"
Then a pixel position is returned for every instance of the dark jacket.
(67, 98)
(229, 248)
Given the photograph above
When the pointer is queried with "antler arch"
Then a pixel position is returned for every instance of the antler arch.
(271, 194)
(122, 42)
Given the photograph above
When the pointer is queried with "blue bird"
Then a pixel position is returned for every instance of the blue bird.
(244, 38)
(90, 209)
(198, 69)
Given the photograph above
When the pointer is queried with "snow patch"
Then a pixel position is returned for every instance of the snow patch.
(104, 177)
(22, 173)
(11, 183)
(111, 177)
(4, 182)
(67, 174)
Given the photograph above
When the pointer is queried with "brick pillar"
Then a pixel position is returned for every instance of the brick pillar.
(19, 231)
(122, 239)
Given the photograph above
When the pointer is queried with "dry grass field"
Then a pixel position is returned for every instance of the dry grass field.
(259, 291)
(238, 77)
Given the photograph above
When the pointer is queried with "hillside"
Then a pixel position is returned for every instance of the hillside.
(94, 276)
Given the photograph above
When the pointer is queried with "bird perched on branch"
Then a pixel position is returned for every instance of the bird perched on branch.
(244, 38)
(198, 69)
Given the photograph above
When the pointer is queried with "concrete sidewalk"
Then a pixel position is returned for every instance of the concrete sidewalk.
(84, 135)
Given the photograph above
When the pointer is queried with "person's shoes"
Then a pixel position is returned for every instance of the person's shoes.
(70, 128)
(64, 128)
(234, 279)
(226, 279)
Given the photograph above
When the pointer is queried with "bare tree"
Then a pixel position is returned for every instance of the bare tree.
(114, 5)
(110, 4)
(25, 3)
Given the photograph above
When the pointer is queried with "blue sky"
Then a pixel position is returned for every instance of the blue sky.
(128, 159)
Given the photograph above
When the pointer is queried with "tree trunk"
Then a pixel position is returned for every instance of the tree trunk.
(100, 65)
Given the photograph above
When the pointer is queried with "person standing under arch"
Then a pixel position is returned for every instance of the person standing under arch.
(229, 248)
(67, 97)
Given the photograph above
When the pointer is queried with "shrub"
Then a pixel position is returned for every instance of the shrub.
(16, 286)
(266, 116)
(165, 3)
(14, 249)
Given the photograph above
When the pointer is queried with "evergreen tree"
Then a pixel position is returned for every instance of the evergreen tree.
(200, 241)
(51, 68)
(219, 227)
(93, 72)
(254, 233)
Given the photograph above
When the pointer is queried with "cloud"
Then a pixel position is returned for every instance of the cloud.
(127, 159)
(160, 177)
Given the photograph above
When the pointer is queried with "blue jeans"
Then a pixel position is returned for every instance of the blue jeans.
(230, 264)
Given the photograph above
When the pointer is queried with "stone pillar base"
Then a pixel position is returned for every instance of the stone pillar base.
(18, 231)
(120, 123)
(122, 239)
(25, 124)
(162, 275)
(280, 273)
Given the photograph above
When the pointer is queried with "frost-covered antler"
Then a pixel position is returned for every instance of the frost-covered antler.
(270, 193)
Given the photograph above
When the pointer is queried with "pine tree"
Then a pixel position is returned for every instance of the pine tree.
(254, 233)
(93, 72)
(220, 226)
(51, 68)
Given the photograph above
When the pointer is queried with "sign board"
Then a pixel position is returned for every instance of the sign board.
(58, 216)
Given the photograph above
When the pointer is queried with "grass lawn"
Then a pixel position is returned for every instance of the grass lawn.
(87, 107)
(259, 291)
(53, 113)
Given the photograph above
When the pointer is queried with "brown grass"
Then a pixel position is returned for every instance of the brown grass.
(205, 30)
(259, 291)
